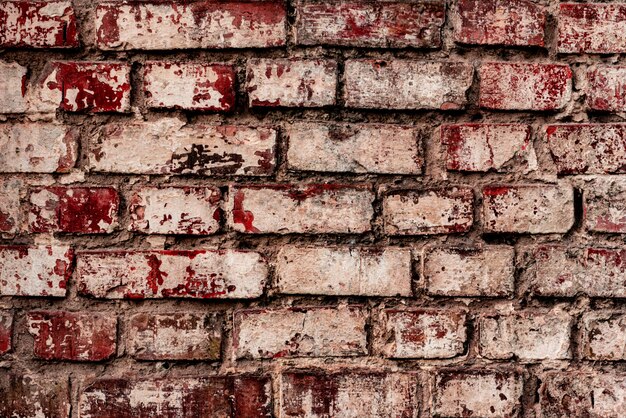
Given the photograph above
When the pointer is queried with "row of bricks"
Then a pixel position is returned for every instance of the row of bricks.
(166, 25)
(104, 86)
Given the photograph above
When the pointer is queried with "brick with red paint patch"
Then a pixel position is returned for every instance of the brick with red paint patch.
(12, 85)
(478, 392)
(239, 396)
(6, 331)
(603, 335)
(291, 82)
(300, 332)
(406, 84)
(189, 86)
(605, 88)
(35, 271)
(604, 205)
(476, 147)
(164, 25)
(175, 336)
(421, 333)
(499, 22)
(427, 212)
(287, 208)
(196, 274)
(349, 393)
(87, 210)
(38, 24)
(37, 147)
(592, 28)
(76, 336)
(175, 210)
(533, 209)
(34, 395)
(170, 146)
(524, 86)
(389, 24)
(10, 207)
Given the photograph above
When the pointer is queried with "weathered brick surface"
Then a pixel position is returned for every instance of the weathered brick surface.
(603, 336)
(6, 331)
(605, 91)
(591, 28)
(32, 395)
(12, 86)
(604, 206)
(10, 214)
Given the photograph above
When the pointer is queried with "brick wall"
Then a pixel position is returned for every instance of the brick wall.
(312, 209)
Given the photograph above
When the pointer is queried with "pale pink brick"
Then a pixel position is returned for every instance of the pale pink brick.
(606, 90)
(291, 82)
(13, 82)
(10, 207)
(158, 25)
(592, 28)
(200, 274)
(360, 271)
(169, 146)
(175, 210)
(300, 332)
(524, 86)
(354, 148)
(35, 271)
(285, 208)
(34, 395)
(427, 212)
(603, 335)
(6, 331)
(406, 84)
(604, 205)
(189, 86)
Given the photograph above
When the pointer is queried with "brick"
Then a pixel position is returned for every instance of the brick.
(35, 270)
(37, 147)
(196, 274)
(499, 22)
(351, 23)
(314, 208)
(422, 333)
(480, 393)
(591, 27)
(426, 212)
(62, 335)
(6, 331)
(189, 86)
(604, 89)
(13, 82)
(34, 395)
(175, 210)
(38, 24)
(487, 271)
(163, 25)
(169, 146)
(528, 336)
(244, 396)
(359, 271)
(175, 336)
(348, 394)
(291, 82)
(406, 84)
(588, 148)
(524, 86)
(604, 205)
(354, 148)
(485, 147)
(87, 210)
(300, 332)
(10, 208)
(532, 209)
(603, 336)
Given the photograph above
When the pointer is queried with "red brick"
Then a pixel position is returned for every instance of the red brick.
(406, 84)
(604, 205)
(422, 333)
(349, 393)
(603, 335)
(361, 24)
(175, 210)
(427, 212)
(484, 147)
(588, 148)
(291, 82)
(300, 332)
(524, 86)
(62, 335)
(170, 146)
(499, 22)
(6, 331)
(189, 25)
(35, 271)
(605, 89)
(87, 210)
(314, 208)
(190, 86)
(13, 81)
(34, 395)
(201, 274)
(38, 24)
(10, 206)
(533, 209)
(244, 396)
(591, 28)
(175, 336)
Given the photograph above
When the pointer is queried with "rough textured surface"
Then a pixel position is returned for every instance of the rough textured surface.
(32, 396)
(591, 28)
